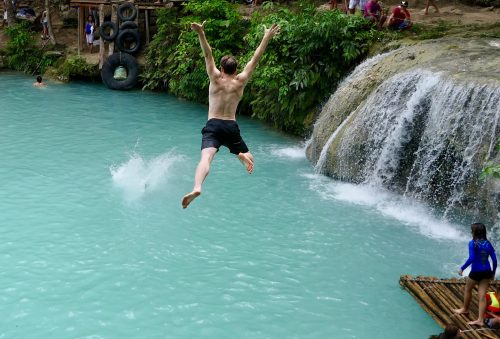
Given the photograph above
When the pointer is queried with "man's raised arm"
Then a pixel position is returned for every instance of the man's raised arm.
(212, 71)
(250, 67)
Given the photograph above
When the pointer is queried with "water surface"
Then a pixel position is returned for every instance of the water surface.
(95, 243)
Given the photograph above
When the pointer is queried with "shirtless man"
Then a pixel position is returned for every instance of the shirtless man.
(224, 94)
(39, 82)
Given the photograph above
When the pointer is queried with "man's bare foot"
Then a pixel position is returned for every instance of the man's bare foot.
(247, 161)
(189, 197)
(476, 322)
(461, 311)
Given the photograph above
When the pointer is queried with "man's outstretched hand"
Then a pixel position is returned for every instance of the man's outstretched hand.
(271, 31)
(197, 27)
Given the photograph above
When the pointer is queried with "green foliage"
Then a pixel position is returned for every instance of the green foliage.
(435, 32)
(302, 65)
(21, 51)
(492, 169)
(75, 67)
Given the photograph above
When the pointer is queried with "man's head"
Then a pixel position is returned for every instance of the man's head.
(404, 4)
(39, 79)
(228, 64)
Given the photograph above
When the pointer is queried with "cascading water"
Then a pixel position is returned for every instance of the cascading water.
(422, 133)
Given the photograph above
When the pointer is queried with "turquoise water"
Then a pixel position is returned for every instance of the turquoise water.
(95, 243)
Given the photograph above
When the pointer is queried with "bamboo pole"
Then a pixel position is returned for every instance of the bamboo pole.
(430, 305)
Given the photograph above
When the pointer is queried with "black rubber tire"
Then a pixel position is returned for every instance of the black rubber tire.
(126, 36)
(108, 71)
(125, 7)
(128, 25)
(104, 34)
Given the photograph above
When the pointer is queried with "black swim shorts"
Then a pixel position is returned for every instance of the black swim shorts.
(219, 132)
(481, 275)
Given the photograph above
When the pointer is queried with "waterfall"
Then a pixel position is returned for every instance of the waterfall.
(421, 133)
(343, 94)
(324, 151)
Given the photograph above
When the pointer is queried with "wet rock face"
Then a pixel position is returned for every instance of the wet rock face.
(421, 120)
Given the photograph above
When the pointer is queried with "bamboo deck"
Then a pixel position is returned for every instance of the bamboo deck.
(439, 297)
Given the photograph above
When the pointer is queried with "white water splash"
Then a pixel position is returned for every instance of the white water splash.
(406, 210)
(394, 135)
(138, 176)
(318, 168)
(294, 152)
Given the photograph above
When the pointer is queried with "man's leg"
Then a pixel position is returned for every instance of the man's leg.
(247, 160)
(207, 155)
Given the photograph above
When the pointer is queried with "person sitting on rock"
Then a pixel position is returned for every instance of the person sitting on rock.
(400, 17)
(373, 12)
(492, 314)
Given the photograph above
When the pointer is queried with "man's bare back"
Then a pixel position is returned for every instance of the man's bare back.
(224, 94)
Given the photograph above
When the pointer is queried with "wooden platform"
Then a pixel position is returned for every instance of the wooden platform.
(439, 297)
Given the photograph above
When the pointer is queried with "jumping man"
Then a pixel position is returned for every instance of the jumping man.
(224, 94)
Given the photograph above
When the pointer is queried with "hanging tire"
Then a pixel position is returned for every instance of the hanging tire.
(128, 41)
(128, 25)
(127, 8)
(105, 28)
(112, 63)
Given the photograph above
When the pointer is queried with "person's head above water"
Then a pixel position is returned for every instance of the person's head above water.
(451, 332)
(478, 231)
(39, 79)
(228, 64)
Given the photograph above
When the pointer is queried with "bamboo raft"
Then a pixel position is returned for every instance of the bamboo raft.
(439, 297)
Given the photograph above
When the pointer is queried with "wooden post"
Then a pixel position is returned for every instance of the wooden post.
(80, 27)
(137, 17)
(114, 19)
(101, 40)
(146, 18)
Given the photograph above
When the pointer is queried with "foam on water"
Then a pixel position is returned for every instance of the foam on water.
(138, 176)
(406, 210)
(296, 152)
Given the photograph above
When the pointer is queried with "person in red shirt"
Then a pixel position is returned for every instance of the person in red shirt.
(373, 12)
(400, 17)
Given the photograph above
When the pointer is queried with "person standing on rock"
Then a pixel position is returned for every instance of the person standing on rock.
(224, 94)
(429, 3)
